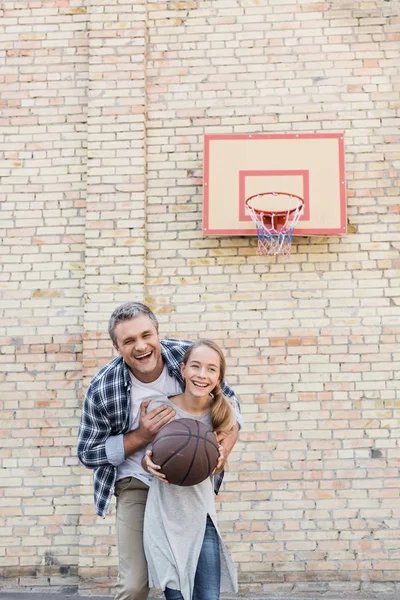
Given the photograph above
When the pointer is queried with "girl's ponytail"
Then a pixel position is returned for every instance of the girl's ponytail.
(222, 416)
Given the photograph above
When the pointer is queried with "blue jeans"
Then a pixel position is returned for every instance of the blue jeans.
(208, 573)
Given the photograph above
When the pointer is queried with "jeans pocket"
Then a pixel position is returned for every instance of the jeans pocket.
(122, 485)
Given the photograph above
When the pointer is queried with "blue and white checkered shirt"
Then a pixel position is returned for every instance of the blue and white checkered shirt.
(105, 419)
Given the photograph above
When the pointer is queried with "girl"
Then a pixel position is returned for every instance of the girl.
(185, 554)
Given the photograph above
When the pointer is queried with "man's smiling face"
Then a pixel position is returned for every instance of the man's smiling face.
(138, 343)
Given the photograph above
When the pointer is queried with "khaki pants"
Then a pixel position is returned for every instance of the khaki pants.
(132, 577)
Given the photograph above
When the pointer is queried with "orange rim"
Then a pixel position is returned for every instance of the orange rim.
(271, 213)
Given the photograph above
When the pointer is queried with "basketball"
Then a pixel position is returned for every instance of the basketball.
(186, 450)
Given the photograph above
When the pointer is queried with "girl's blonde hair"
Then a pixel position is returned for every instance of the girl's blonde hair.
(222, 416)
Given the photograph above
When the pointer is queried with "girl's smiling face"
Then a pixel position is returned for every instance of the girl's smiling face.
(202, 371)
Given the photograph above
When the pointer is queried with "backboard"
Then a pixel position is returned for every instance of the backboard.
(308, 165)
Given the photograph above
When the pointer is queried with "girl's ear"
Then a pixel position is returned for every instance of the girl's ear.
(183, 370)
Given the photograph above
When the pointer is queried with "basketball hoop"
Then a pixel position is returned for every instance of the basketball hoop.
(275, 224)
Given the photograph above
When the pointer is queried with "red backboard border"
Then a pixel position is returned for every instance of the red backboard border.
(289, 136)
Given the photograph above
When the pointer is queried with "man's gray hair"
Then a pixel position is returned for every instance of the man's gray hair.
(125, 312)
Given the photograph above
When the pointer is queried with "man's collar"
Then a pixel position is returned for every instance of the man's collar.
(125, 373)
(165, 357)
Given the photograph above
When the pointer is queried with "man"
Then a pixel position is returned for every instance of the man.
(115, 430)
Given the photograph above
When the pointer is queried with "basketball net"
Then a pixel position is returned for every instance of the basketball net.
(275, 228)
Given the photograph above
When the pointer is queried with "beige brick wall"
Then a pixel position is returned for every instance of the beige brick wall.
(104, 107)
(43, 139)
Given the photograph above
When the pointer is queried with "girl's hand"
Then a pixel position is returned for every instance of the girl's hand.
(221, 461)
(152, 468)
(221, 436)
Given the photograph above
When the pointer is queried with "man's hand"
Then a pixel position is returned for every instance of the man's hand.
(152, 468)
(149, 425)
(226, 440)
(221, 460)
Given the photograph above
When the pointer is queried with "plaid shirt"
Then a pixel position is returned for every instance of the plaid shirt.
(106, 413)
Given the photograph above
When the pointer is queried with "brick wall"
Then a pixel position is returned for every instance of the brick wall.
(43, 186)
(104, 108)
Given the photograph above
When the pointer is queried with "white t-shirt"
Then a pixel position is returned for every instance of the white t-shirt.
(165, 385)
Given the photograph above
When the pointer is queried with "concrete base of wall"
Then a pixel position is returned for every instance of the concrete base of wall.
(308, 591)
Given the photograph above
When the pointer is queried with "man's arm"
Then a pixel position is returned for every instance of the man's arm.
(97, 447)
(227, 440)
(94, 431)
(229, 393)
